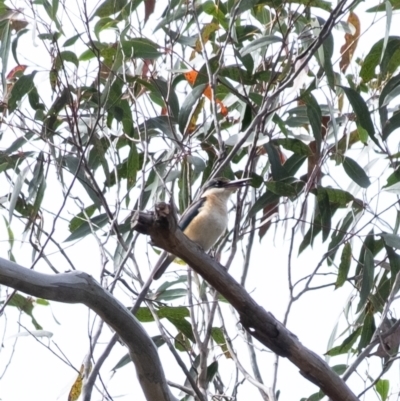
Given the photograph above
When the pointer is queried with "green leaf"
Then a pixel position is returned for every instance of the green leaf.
(218, 336)
(344, 266)
(325, 213)
(394, 261)
(314, 397)
(295, 146)
(67, 55)
(277, 169)
(169, 295)
(382, 6)
(19, 142)
(87, 55)
(177, 14)
(392, 84)
(328, 46)
(167, 95)
(284, 189)
(346, 345)
(16, 192)
(104, 24)
(381, 294)
(73, 165)
(188, 106)
(311, 234)
(182, 343)
(109, 7)
(373, 58)
(315, 117)
(238, 74)
(132, 166)
(360, 108)
(178, 312)
(266, 199)
(22, 87)
(367, 278)
(368, 329)
(122, 362)
(144, 315)
(184, 186)
(390, 96)
(212, 370)
(337, 197)
(183, 326)
(391, 240)
(382, 388)
(25, 304)
(259, 43)
(293, 164)
(246, 5)
(339, 369)
(392, 124)
(85, 228)
(140, 48)
(356, 173)
(338, 236)
(71, 41)
(324, 5)
(158, 341)
(80, 218)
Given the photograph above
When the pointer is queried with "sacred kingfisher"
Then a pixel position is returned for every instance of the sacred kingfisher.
(206, 219)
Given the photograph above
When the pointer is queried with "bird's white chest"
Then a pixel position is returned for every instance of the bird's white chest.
(209, 224)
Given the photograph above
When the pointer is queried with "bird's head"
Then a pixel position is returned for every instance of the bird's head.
(221, 186)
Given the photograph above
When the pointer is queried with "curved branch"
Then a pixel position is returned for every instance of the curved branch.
(163, 230)
(79, 287)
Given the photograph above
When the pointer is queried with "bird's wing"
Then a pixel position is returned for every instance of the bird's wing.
(190, 213)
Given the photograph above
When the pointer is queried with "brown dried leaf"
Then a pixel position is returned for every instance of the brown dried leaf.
(148, 8)
(268, 211)
(350, 45)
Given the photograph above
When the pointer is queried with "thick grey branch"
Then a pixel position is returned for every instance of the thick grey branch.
(78, 287)
(162, 228)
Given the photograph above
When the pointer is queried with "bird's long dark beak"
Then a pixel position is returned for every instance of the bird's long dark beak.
(237, 183)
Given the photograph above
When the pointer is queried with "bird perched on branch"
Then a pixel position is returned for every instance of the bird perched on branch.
(206, 219)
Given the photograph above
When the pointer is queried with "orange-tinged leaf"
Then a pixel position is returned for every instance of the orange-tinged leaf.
(350, 45)
(207, 92)
(223, 110)
(191, 76)
(16, 71)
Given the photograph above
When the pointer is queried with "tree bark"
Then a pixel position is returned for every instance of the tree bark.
(79, 287)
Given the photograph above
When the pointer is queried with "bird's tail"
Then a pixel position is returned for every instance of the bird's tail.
(163, 262)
